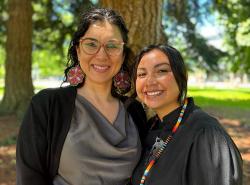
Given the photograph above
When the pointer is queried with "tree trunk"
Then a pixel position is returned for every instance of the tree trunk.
(18, 83)
(143, 19)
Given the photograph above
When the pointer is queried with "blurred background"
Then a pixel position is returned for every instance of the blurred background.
(212, 35)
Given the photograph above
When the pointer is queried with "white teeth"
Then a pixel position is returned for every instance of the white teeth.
(100, 67)
(154, 93)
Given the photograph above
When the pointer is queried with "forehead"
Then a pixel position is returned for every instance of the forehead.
(103, 30)
(153, 58)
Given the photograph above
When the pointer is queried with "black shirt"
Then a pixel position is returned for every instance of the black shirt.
(201, 152)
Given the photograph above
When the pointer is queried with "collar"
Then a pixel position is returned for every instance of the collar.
(170, 119)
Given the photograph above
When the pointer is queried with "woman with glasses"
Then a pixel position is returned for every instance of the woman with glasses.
(185, 145)
(85, 133)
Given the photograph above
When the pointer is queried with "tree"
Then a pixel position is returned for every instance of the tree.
(18, 83)
(2, 22)
(54, 22)
(182, 18)
(234, 16)
(143, 19)
(51, 33)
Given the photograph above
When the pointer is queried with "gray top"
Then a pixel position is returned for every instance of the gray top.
(97, 152)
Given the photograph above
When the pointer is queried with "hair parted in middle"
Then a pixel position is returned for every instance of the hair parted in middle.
(89, 18)
(177, 65)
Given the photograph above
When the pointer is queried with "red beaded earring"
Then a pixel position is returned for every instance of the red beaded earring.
(75, 75)
(122, 82)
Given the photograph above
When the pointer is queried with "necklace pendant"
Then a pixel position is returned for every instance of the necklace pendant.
(159, 144)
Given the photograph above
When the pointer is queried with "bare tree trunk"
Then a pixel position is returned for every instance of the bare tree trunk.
(143, 18)
(18, 83)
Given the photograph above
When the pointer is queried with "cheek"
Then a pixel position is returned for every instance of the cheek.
(139, 86)
(120, 60)
(170, 83)
(169, 79)
(173, 85)
(117, 61)
(165, 80)
(117, 58)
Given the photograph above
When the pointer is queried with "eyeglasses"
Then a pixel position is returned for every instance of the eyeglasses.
(92, 46)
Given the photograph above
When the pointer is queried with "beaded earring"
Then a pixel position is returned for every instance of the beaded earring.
(75, 75)
(122, 82)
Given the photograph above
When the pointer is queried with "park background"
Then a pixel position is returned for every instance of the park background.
(212, 35)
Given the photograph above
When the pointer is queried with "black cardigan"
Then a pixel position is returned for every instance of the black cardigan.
(44, 129)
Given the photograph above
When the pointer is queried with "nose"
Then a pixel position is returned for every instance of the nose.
(101, 52)
(151, 80)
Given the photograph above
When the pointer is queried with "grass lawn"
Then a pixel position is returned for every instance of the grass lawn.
(228, 103)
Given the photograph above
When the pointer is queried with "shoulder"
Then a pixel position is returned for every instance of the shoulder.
(214, 157)
(130, 103)
(134, 108)
(200, 119)
(207, 130)
(54, 93)
(210, 134)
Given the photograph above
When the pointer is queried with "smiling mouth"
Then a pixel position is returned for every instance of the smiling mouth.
(153, 93)
(100, 68)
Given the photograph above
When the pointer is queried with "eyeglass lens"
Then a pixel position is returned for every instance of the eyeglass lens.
(91, 46)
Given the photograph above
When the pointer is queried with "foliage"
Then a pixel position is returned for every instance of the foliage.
(1, 91)
(2, 59)
(3, 18)
(54, 29)
(52, 32)
(54, 21)
(181, 20)
(235, 16)
(47, 63)
(11, 140)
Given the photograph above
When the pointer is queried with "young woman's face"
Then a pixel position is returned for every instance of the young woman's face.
(100, 67)
(155, 83)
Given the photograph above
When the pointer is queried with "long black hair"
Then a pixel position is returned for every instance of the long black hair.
(87, 19)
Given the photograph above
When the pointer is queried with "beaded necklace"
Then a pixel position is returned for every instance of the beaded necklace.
(157, 155)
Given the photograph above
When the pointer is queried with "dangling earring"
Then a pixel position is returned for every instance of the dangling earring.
(122, 82)
(75, 75)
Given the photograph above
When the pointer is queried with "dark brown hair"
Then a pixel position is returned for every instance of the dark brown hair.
(88, 18)
(177, 66)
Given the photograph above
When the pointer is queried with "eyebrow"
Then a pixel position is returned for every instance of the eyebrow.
(111, 40)
(156, 66)
(161, 64)
(91, 38)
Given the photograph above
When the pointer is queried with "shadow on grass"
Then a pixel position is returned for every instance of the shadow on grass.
(232, 109)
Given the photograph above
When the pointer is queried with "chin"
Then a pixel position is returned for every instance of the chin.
(152, 105)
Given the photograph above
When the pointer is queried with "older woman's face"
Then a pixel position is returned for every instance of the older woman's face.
(100, 67)
(155, 83)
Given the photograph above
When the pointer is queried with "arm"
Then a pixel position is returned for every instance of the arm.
(31, 155)
(214, 159)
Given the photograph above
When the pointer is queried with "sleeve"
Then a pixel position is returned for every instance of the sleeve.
(214, 159)
(31, 152)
